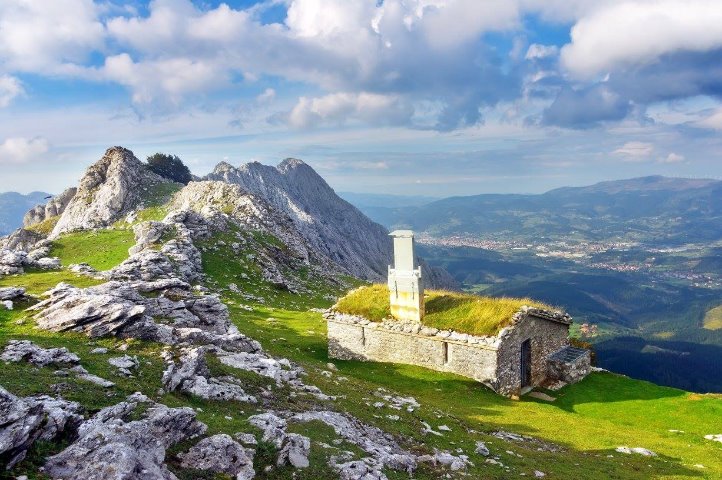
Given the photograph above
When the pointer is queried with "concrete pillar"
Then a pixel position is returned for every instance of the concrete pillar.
(405, 283)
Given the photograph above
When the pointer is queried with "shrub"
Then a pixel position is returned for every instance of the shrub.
(170, 166)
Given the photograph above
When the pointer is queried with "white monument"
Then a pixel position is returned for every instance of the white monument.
(405, 284)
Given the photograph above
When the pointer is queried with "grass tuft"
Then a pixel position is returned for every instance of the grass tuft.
(101, 249)
(461, 312)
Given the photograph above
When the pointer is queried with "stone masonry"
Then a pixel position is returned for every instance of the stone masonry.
(531, 351)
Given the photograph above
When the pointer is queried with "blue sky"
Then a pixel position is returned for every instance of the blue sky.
(434, 97)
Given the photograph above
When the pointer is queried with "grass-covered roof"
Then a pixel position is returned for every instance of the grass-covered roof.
(461, 312)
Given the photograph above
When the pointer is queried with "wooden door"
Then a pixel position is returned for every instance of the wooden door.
(526, 363)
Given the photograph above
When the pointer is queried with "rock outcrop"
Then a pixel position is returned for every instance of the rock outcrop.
(109, 190)
(24, 350)
(23, 421)
(328, 223)
(112, 445)
(54, 207)
(220, 454)
(121, 309)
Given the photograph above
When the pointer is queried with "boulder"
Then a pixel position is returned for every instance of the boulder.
(191, 375)
(11, 293)
(23, 421)
(294, 451)
(125, 442)
(220, 454)
(27, 351)
(125, 364)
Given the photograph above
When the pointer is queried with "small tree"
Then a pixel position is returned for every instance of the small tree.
(169, 166)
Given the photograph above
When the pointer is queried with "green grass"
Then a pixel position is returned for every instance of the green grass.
(461, 312)
(37, 282)
(44, 227)
(713, 319)
(585, 423)
(101, 249)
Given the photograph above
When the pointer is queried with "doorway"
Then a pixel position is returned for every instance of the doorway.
(526, 363)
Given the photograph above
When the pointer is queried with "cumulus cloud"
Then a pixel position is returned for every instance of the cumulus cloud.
(536, 50)
(643, 31)
(10, 88)
(48, 37)
(712, 121)
(21, 150)
(635, 151)
(338, 108)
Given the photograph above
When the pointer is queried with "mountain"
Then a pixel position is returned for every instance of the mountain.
(668, 210)
(13, 207)
(329, 223)
(178, 334)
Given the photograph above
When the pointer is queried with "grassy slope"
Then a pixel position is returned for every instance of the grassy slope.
(102, 249)
(462, 312)
(588, 420)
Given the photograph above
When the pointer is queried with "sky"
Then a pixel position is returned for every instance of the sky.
(422, 97)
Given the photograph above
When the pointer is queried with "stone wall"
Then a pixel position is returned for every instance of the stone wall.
(364, 340)
(546, 335)
(494, 361)
(569, 371)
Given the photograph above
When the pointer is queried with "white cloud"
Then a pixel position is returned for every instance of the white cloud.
(10, 88)
(48, 36)
(638, 32)
(635, 151)
(168, 78)
(536, 50)
(673, 158)
(21, 150)
(712, 122)
(267, 96)
(336, 108)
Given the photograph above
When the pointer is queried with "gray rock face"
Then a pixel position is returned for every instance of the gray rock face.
(111, 446)
(26, 351)
(11, 262)
(191, 375)
(380, 445)
(96, 311)
(54, 207)
(23, 421)
(295, 451)
(109, 190)
(21, 239)
(365, 469)
(11, 293)
(125, 364)
(328, 223)
(220, 454)
(119, 309)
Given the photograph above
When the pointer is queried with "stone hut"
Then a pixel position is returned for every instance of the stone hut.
(532, 350)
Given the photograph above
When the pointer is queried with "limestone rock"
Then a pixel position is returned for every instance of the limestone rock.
(11, 293)
(21, 239)
(273, 427)
(714, 438)
(294, 451)
(95, 311)
(380, 445)
(365, 469)
(329, 224)
(638, 450)
(113, 446)
(23, 421)
(125, 364)
(191, 375)
(220, 454)
(109, 190)
(54, 207)
(27, 351)
(11, 262)
(482, 449)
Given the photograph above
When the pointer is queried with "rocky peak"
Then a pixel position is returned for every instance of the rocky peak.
(111, 188)
(330, 225)
(54, 207)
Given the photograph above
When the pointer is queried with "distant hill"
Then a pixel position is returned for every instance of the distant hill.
(13, 206)
(670, 210)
